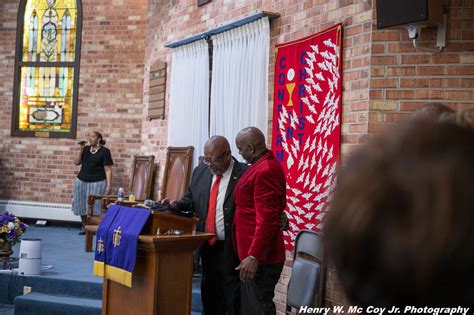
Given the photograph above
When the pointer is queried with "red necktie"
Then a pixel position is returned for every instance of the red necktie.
(211, 209)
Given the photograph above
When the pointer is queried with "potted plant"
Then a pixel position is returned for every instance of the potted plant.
(11, 229)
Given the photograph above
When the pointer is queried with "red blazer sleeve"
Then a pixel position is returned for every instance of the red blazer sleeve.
(268, 195)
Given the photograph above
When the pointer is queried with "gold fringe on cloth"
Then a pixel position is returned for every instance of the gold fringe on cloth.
(99, 268)
(118, 275)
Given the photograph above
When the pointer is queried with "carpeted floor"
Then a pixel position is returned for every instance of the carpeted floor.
(66, 272)
(6, 309)
(66, 267)
(63, 252)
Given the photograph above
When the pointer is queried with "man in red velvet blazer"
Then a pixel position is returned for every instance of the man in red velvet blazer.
(260, 198)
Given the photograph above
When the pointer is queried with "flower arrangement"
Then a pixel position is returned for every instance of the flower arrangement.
(11, 228)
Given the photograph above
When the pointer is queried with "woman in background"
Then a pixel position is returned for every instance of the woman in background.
(95, 176)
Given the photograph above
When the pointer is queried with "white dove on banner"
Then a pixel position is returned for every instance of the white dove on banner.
(308, 125)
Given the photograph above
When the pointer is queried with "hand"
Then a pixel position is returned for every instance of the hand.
(248, 268)
(167, 201)
(108, 191)
(283, 223)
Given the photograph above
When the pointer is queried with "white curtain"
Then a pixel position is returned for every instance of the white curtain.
(239, 91)
(189, 97)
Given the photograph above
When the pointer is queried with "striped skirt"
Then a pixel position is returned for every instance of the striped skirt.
(81, 191)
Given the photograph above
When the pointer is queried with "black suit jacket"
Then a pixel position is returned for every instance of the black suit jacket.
(197, 199)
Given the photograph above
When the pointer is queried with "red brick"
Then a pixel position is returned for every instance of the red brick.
(376, 94)
(429, 94)
(444, 58)
(445, 83)
(360, 62)
(395, 47)
(383, 83)
(384, 60)
(399, 71)
(400, 94)
(467, 83)
(415, 59)
(459, 95)
(396, 117)
(463, 70)
(381, 36)
(378, 48)
(413, 82)
(378, 71)
(430, 70)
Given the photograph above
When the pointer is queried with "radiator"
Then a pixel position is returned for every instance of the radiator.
(39, 210)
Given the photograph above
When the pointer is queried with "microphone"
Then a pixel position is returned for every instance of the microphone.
(82, 142)
(150, 203)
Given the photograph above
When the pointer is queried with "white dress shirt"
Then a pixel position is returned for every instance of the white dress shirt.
(220, 234)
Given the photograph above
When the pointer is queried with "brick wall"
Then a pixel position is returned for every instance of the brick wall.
(404, 78)
(384, 79)
(8, 11)
(181, 19)
(110, 101)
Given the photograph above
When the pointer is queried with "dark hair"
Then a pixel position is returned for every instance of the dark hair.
(99, 135)
(432, 111)
(464, 118)
(401, 226)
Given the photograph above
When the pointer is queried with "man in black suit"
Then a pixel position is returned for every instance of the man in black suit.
(210, 197)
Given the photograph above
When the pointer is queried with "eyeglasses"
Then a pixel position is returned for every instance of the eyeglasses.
(216, 160)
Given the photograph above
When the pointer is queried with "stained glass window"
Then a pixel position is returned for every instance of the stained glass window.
(47, 67)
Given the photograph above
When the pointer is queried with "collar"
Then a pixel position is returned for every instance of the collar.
(228, 171)
(255, 159)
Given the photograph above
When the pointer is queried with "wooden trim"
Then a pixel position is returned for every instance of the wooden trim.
(171, 154)
(156, 104)
(19, 42)
(157, 97)
(157, 81)
(156, 112)
(46, 64)
(159, 65)
(150, 160)
(157, 90)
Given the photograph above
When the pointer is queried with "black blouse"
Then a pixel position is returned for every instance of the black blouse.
(92, 169)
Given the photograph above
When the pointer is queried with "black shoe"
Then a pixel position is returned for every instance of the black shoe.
(82, 232)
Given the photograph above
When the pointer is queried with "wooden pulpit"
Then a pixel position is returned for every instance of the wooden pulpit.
(162, 278)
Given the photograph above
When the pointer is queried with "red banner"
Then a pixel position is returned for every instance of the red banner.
(306, 125)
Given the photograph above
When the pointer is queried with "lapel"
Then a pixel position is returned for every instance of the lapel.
(234, 177)
(255, 166)
(207, 181)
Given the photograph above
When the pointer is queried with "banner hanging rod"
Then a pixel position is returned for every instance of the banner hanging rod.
(223, 28)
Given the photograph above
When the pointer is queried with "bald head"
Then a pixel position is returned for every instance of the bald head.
(251, 142)
(216, 142)
(217, 154)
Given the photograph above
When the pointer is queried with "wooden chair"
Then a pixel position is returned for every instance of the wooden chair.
(177, 173)
(140, 185)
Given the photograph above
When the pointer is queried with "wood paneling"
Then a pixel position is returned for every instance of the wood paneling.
(157, 91)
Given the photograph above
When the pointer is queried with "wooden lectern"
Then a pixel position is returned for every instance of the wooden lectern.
(162, 278)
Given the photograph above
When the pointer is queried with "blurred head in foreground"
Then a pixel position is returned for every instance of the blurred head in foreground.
(401, 226)
(432, 111)
(463, 118)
